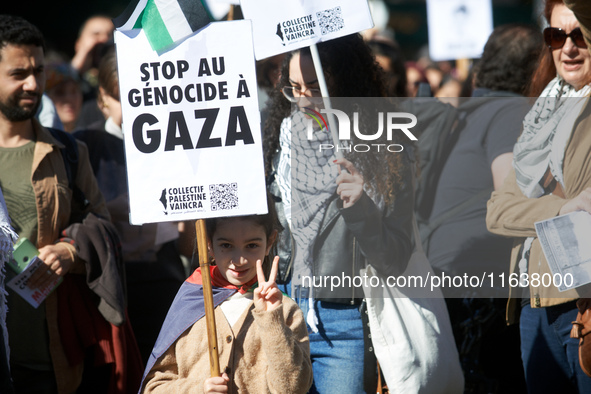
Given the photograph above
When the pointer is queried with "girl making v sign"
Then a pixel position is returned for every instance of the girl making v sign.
(262, 340)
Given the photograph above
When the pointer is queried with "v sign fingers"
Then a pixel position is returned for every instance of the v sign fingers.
(267, 296)
(274, 270)
(262, 282)
(260, 273)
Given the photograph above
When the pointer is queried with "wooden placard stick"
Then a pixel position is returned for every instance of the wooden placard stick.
(214, 360)
(463, 68)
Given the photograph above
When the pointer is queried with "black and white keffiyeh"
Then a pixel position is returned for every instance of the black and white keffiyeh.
(546, 130)
(7, 239)
(547, 127)
(7, 234)
(306, 176)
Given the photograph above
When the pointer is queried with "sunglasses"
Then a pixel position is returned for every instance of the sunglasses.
(556, 37)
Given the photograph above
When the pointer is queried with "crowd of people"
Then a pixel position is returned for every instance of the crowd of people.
(127, 314)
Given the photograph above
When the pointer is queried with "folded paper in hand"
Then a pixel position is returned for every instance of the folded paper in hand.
(565, 242)
(33, 296)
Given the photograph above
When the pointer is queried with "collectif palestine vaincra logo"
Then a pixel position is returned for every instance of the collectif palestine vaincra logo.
(305, 27)
(296, 29)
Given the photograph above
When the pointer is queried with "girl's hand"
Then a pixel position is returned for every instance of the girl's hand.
(267, 295)
(58, 261)
(350, 185)
(217, 384)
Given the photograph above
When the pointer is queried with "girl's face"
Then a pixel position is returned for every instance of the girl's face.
(236, 245)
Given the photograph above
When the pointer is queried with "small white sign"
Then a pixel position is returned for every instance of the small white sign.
(565, 243)
(286, 25)
(458, 29)
(33, 296)
(191, 125)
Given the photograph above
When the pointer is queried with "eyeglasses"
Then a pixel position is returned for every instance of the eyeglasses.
(293, 94)
(556, 37)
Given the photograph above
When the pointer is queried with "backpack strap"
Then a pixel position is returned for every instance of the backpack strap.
(70, 156)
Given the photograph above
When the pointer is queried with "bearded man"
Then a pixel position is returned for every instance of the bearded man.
(37, 183)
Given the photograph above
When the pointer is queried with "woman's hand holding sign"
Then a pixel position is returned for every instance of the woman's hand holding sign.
(350, 184)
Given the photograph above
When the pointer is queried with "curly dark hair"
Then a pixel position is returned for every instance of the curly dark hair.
(396, 76)
(350, 71)
(15, 30)
(509, 58)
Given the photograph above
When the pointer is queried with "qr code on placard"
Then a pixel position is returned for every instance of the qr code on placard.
(223, 196)
(330, 20)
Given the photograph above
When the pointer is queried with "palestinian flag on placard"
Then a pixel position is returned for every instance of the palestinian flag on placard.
(165, 22)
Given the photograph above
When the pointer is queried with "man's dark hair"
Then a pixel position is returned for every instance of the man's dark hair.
(509, 58)
(15, 30)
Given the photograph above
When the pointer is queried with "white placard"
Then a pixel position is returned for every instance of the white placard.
(233, 2)
(191, 125)
(286, 25)
(458, 29)
(220, 8)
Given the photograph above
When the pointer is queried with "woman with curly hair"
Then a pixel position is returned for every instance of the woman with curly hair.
(340, 213)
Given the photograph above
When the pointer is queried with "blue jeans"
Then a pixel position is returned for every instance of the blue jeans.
(337, 349)
(550, 356)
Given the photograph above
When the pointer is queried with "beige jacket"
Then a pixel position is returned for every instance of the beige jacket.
(54, 200)
(265, 352)
(512, 214)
